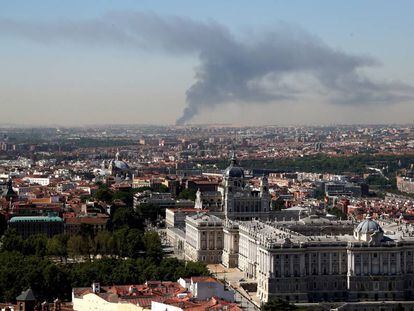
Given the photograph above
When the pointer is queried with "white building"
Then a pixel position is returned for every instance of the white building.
(292, 261)
(43, 181)
(204, 238)
(205, 287)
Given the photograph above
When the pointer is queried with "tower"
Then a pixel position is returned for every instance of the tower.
(264, 194)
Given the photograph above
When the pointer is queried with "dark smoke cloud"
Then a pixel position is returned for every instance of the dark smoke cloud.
(248, 68)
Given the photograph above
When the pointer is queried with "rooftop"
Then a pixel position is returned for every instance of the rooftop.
(35, 219)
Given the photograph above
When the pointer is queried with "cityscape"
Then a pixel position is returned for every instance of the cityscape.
(164, 156)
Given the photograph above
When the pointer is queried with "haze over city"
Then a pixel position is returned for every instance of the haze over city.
(176, 62)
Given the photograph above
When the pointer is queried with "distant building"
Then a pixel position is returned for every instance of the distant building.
(202, 185)
(161, 199)
(211, 200)
(40, 180)
(339, 189)
(31, 225)
(97, 223)
(118, 167)
(405, 184)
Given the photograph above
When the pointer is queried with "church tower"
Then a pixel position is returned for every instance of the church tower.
(240, 200)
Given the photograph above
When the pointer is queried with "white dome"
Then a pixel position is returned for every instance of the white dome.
(368, 226)
(121, 165)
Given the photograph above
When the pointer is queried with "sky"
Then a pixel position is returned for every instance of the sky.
(192, 62)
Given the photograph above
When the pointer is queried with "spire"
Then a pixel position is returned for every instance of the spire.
(233, 159)
(117, 154)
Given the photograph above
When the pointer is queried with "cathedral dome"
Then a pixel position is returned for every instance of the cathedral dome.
(368, 226)
(234, 170)
(122, 165)
(118, 166)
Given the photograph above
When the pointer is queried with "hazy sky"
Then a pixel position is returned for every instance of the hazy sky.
(241, 62)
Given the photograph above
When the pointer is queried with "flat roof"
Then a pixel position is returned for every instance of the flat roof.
(35, 219)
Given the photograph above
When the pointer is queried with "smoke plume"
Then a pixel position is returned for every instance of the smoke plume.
(252, 68)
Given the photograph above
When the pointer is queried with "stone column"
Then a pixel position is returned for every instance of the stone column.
(319, 263)
(398, 263)
(272, 264)
(389, 263)
(381, 268)
(370, 263)
(310, 263)
(302, 265)
(405, 262)
(340, 263)
(362, 263)
(330, 263)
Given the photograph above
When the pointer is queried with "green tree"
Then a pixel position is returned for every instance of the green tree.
(3, 224)
(125, 216)
(134, 240)
(80, 246)
(35, 245)
(104, 244)
(195, 268)
(120, 238)
(187, 194)
(163, 188)
(148, 211)
(86, 230)
(104, 194)
(12, 241)
(57, 246)
(152, 245)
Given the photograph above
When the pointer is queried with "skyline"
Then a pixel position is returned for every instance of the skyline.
(117, 63)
